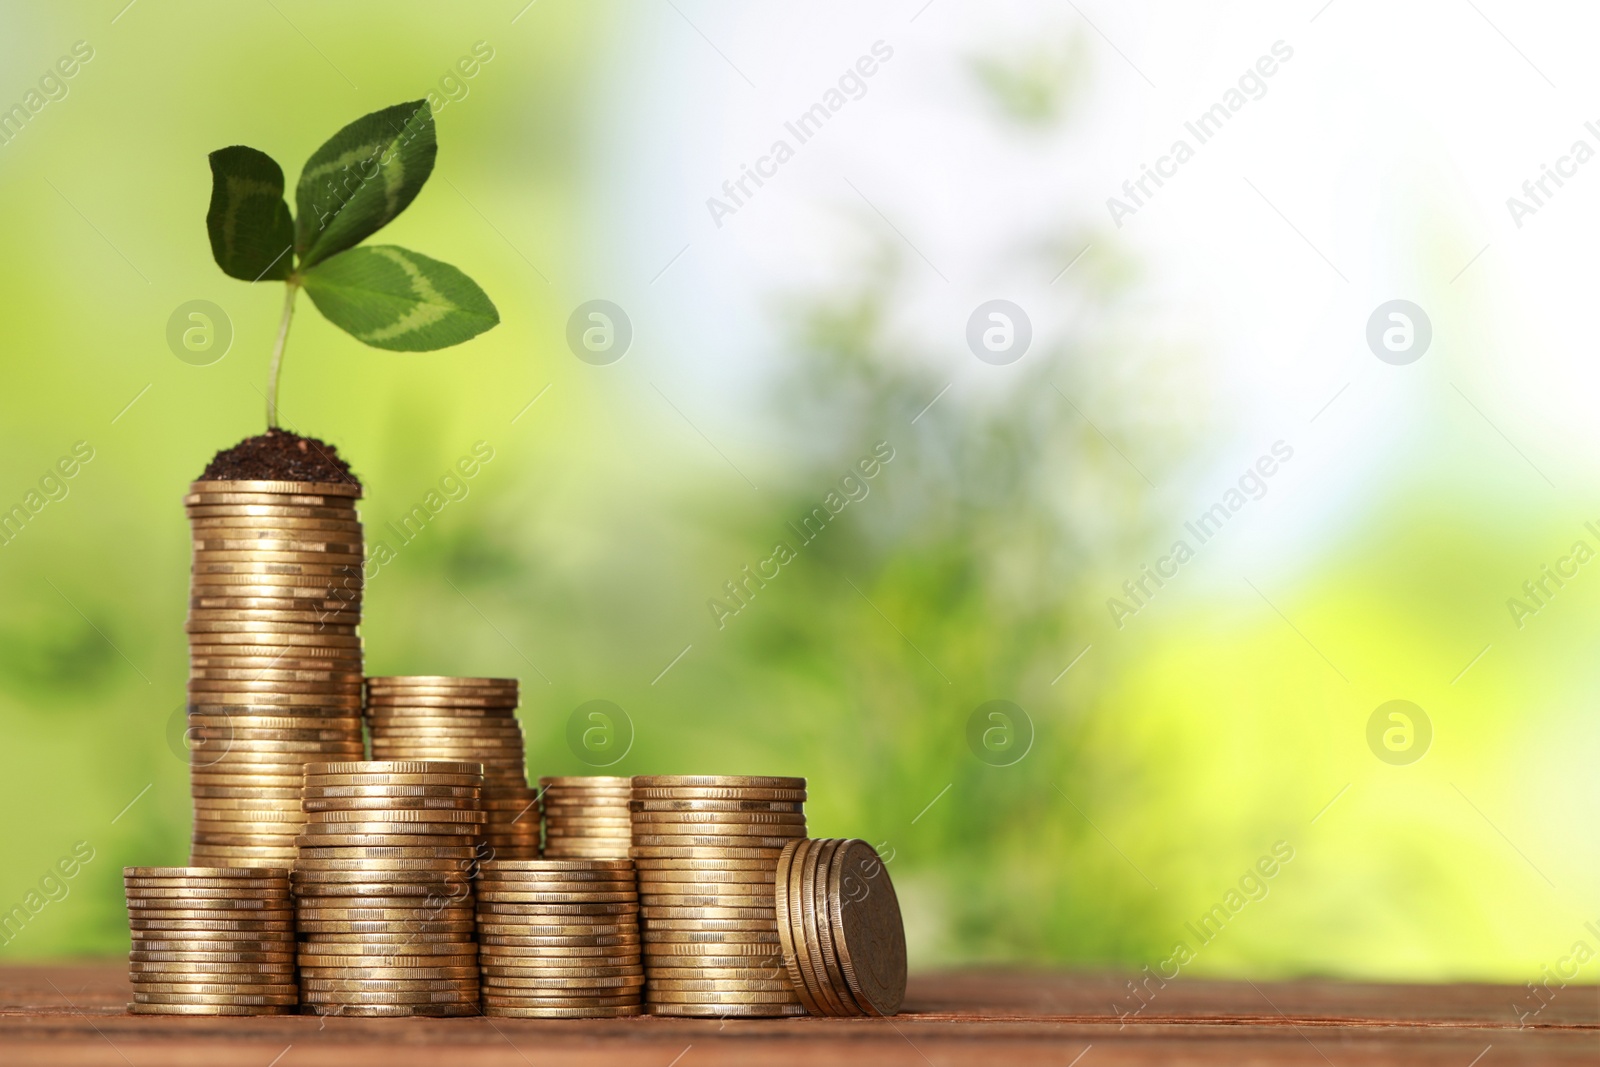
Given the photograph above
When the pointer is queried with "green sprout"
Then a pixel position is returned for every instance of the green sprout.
(350, 188)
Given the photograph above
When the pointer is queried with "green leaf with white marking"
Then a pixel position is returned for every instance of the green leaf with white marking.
(394, 298)
(251, 231)
(363, 177)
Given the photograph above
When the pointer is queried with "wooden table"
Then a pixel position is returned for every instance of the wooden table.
(75, 1014)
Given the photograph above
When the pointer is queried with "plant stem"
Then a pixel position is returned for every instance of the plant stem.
(276, 366)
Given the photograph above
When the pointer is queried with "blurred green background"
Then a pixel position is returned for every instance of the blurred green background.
(1229, 715)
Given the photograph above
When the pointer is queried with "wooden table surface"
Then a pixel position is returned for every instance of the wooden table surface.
(76, 1014)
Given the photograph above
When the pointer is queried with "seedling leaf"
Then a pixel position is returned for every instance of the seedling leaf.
(394, 298)
(363, 177)
(251, 231)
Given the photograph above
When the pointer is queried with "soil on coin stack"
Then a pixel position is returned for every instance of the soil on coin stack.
(279, 456)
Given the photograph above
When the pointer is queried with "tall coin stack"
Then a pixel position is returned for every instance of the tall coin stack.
(706, 849)
(383, 888)
(210, 941)
(586, 817)
(274, 659)
(433, 717)
(559, 939)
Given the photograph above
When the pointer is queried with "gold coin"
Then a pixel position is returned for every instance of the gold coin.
(402, 681)
(400, 815)
(823, 860)
(520, 1001)
(513, 1010)
(779, 984)
(760, 970)
(648, 866)
(213, 509)
(386, 954)
(463, 995)
(365, 768)
(346, 489)
(696, 933)
(611, 948)
(791, 925)
(689, 809)
(868, 934)
(312, 605)
(334, 909)
(365, 973)
(204, 998)
(413, 927)
(532, 891)
(139, 970)
(516, 932)
(614, 985)
(258, 665)
(381, 985)
(750, 880)
(641, 852)
(715, 781)
(240, 725)
(718, 818)
(255, 906)
(533, 902)
(415, 855)
(654, 900)
(361, 793)
(804, 930)
(375, 840)
(512, 868)
(760, 1011)
(196, 924)
(145, 889)
(765, 996)
(563, 909)
(675, 954)
(155, 948)
(376, 963)
(210, 1009)
(711, 793)
(270, 541)
(383, 824)
(241, 873)
(142, 984)
(389, 805)
(769, 837)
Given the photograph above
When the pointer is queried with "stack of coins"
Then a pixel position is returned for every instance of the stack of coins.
(586, 817)
(432, 717)
(275, 662)
(210, 941)
(844, 945)
(383, 888)
(707, 849)
(559, 939)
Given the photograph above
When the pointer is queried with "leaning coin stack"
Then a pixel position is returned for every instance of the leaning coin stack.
(559, 939)
(706, 850)
(383, 887)
(586, 817)
(844, 945)
(433, 717)
(211, 941)
(274, 659)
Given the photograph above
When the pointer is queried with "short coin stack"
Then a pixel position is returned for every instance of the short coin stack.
(706, 849)
(211, 941)
(275, 662)
(844, 945)
(384, 891)
(586, 817)
(433, 717)
(559, 939)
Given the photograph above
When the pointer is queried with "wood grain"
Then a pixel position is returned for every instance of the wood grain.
(75, 1015)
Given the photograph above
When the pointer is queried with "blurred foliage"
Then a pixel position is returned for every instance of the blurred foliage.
(1165, 762)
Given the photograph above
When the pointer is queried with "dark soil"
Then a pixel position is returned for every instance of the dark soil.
(279, 456)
